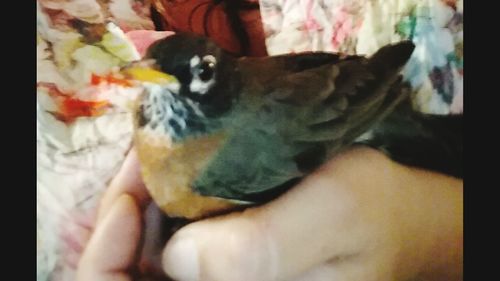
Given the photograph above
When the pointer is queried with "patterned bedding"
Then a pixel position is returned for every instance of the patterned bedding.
(362, 26)
(84, 123)
(83, 126)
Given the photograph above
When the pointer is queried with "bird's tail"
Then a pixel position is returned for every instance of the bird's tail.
(379, 94)
(433, 142)
(423, 140)
(389, 60)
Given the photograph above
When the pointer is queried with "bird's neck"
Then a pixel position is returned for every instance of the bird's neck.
(164, 112)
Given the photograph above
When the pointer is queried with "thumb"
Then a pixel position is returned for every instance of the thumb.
(113, 247)
(232, 248)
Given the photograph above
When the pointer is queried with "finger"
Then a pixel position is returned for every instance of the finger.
(113, 248)
(84, 218)
(154, 241)
(72, 258)
(74, 238)
(128, 180)
(320, 219)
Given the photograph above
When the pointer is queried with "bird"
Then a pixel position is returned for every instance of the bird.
(215, 132)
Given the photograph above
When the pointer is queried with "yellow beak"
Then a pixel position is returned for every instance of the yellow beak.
(149, 75)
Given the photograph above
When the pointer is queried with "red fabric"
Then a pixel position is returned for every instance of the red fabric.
(188, 16)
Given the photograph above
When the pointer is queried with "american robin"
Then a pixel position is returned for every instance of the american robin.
(222, 132)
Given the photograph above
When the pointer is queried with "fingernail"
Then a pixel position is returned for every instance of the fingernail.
(181, 260)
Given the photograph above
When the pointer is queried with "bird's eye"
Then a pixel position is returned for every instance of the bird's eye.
(206, 71)
(206, 68)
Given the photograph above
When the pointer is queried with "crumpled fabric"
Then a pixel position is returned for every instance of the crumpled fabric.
(84, 129)
(435, 70)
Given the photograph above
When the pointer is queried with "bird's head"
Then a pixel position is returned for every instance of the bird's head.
(205, 72)
(191, 82)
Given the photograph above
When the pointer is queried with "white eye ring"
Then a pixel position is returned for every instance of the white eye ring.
(209, 59)
(196, 60)
(200, 84)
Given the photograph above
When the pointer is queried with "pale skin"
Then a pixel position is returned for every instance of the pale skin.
(359, 217)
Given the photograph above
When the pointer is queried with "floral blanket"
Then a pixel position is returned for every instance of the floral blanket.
(362, 26)
(84, 123)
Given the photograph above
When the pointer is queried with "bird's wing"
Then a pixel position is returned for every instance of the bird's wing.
(334, 104)
(345, 98)
(296, 118)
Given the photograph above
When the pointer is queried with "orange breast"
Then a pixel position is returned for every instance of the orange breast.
(169, 169)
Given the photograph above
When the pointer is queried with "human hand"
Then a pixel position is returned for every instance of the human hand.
(360, 217)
